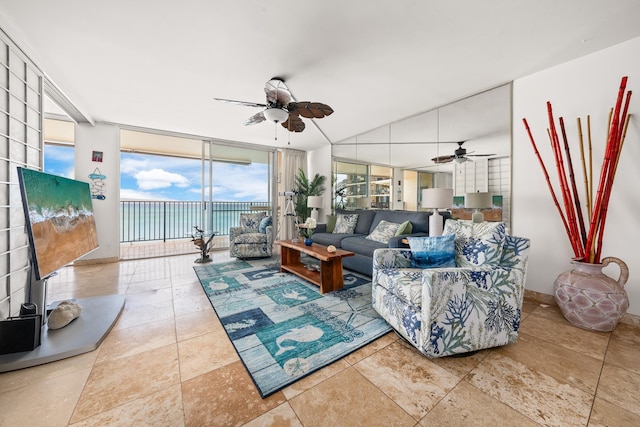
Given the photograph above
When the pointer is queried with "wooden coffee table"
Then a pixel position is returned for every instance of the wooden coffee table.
(329, 278)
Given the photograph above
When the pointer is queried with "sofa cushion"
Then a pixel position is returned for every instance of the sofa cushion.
(365, 218)
(361, 245)
(264, 223)
(250, 222)
(327, 239)
(405, 228)
(476, 243)
(433, 252)
(383, 232)
(419, 220)
(345, 223)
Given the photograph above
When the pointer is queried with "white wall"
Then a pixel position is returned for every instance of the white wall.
(104, 138)
(586, 86)
(319, 161)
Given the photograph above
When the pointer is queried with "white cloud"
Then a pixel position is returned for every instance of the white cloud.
(126, 194)
(132, 166)
(158, 178)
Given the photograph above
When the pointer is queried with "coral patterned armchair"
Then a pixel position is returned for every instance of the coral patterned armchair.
(444, 311)
(253, 238)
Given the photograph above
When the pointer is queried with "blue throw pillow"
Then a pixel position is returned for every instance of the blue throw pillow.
(433, 252)
(264, 223)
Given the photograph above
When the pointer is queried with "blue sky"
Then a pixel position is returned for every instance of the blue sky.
(149, 177)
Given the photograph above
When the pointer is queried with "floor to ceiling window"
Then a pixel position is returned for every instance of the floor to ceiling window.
(169, 185)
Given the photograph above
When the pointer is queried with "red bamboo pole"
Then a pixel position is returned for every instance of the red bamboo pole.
(564, 186)
(574, 187)
(617, 149)
(553, 193)
(595, 220)
(604, 178)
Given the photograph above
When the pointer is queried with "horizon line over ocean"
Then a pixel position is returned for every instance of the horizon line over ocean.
(142, 220)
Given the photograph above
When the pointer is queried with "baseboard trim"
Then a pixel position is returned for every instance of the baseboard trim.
(96, 261)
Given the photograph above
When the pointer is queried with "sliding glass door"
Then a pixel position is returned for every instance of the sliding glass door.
(234, 180)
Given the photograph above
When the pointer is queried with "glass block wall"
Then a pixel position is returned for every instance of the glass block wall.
(20, 145)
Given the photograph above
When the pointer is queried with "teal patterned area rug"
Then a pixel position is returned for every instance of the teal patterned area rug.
(281, 326)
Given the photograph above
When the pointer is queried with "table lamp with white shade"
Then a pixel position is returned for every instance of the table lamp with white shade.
(315, 203)
(437, 198)
(477, 201)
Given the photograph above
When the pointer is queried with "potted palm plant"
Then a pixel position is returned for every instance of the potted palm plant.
(304, 189)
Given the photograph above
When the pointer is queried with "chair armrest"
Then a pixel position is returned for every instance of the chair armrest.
(392, 258)
(386, 258)
(234, 232)
(269, 231)
(465, 309)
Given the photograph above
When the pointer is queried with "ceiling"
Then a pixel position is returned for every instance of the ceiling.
(158, 64)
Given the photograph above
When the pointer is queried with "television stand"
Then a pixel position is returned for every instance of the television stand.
(82, 335)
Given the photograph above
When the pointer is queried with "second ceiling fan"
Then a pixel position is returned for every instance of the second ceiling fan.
(460, 155)
(282, 108)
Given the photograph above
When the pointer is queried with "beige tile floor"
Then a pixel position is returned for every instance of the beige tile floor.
(168, 362)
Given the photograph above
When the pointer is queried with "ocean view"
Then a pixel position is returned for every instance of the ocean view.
(159, 220)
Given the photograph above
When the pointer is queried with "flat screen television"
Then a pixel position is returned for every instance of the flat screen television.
(60, 220)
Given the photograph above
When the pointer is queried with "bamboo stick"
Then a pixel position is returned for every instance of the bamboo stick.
(587, 245)
(615, 157)
(584, 170)
(591, 253)
(574, 187)
(590, 167)
(564, 186)
(549, 185)
(605, 180)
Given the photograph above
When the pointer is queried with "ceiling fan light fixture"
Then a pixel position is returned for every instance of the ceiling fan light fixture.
(275, 114)
(460, 159)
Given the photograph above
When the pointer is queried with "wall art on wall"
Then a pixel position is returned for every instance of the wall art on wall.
(97, 185)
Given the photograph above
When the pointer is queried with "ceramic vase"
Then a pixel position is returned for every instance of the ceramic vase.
(308, 241)
(589, 298)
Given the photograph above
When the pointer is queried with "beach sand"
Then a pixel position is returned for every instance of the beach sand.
(54, 250)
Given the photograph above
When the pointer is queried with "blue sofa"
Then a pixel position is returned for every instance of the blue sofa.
(363, 248)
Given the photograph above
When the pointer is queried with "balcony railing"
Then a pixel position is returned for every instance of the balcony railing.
(158, 220)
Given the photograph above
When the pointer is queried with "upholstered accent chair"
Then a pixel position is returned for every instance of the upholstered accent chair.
(446, 311)
(253, 238)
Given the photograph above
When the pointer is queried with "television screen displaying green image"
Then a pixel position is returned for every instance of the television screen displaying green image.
(59, 218)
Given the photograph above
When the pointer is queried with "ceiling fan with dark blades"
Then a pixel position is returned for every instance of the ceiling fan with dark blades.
(282, 108)
(460, 155)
